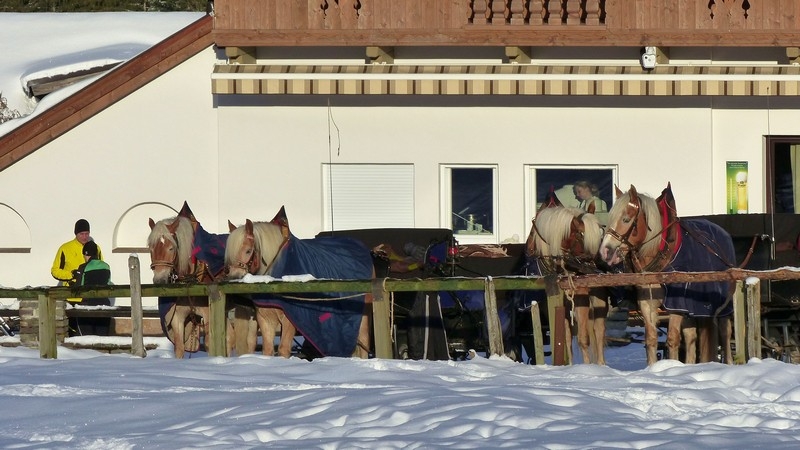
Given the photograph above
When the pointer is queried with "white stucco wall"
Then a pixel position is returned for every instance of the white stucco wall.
(243, 157)
(156, 145)
(652, 146)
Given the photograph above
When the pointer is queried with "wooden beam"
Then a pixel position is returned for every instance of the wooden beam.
(793, 55)
(519, 55)
(380, 55)
(510, 35)
(241, 55)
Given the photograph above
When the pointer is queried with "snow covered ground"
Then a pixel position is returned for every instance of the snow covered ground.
(88, 400)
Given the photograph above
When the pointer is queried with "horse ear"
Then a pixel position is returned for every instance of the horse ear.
(618, 192)
(173, 227)
(231, 226)
(248, 227)
(591, 208)
(152, 224)
(633, 192)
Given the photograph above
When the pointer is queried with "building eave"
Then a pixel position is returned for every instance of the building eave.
(109, 89)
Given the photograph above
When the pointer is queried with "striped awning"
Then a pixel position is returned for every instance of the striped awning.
(506, 79)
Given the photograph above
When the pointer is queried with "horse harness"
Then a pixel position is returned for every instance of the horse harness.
(671, 238)
(253, 264)
(572, 247)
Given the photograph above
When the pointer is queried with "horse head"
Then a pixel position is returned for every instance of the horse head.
(627, 228)
(241, 255)
(164, 245)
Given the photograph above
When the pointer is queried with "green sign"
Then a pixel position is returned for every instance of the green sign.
(736, 178)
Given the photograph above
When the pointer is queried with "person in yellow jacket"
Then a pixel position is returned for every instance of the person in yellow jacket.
(70, 256)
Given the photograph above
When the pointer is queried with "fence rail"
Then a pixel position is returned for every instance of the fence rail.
(746, 304)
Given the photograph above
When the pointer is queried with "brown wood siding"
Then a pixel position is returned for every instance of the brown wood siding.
(754, 23)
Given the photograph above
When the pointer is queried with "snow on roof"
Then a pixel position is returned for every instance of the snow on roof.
(41, 45)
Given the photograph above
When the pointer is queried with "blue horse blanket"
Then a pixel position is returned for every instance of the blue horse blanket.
(705, 247)
(331, 326)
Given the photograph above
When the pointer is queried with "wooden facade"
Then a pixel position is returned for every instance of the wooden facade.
(685, 23)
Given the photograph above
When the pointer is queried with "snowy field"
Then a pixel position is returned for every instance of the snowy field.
(89, 400)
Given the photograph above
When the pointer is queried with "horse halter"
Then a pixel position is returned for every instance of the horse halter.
(164, 263)
(253, 263)
(624, 239)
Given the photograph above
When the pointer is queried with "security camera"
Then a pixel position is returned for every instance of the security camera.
(648, 59)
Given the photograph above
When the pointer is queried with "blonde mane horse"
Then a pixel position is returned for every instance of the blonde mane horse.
(646, 237)
(170, 243)
(240, 259)
(254, 248)
(566, 239)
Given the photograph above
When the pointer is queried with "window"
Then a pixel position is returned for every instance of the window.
(540, 179)
(783, 174)
(358, 196)
(469, 202)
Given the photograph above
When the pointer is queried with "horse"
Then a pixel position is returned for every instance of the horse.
(645, 235)
(566, 239)
(269, 248)
(181, 251)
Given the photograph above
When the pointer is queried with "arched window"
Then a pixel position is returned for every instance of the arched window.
(16, 237)
(132, 229)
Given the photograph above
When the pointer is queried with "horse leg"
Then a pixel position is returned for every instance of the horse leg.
(177, 329)
(205, 324)
(709, 342)
(689, 329)
(597, 317)
(650, 298)
(674, 336)
(245, 328)
(288, 332)
(582, 322)
(268, 324)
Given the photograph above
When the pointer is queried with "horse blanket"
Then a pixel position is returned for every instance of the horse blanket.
(704, 247)
(208, 250)
(330, 326)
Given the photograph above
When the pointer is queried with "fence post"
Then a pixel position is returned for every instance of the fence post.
(381, 326)
(217, 323)
(556, 317)
(739, 325)
(538, 345)
(493, 326)
(753, 296)
(47, 327)
(137, 332)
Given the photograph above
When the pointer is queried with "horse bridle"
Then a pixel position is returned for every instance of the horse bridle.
(173, 277)
(256, 260)
(624, 239)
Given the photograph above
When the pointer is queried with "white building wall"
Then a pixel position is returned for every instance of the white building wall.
(286, 158)
(237, 157)
(157, 145)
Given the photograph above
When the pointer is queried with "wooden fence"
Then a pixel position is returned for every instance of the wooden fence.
(747, 302)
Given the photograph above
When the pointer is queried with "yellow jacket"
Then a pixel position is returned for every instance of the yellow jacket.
(68, 258)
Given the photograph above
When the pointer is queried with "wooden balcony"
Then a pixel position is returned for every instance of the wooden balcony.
(623, 23)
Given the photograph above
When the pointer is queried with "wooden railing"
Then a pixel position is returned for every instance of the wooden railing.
(747, 303)
(682, 23)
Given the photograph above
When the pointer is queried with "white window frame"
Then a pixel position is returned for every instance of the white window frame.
(368, 196)
(446, 204)
(530, 180)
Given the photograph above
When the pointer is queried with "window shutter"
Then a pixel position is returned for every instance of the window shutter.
(357, 196)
